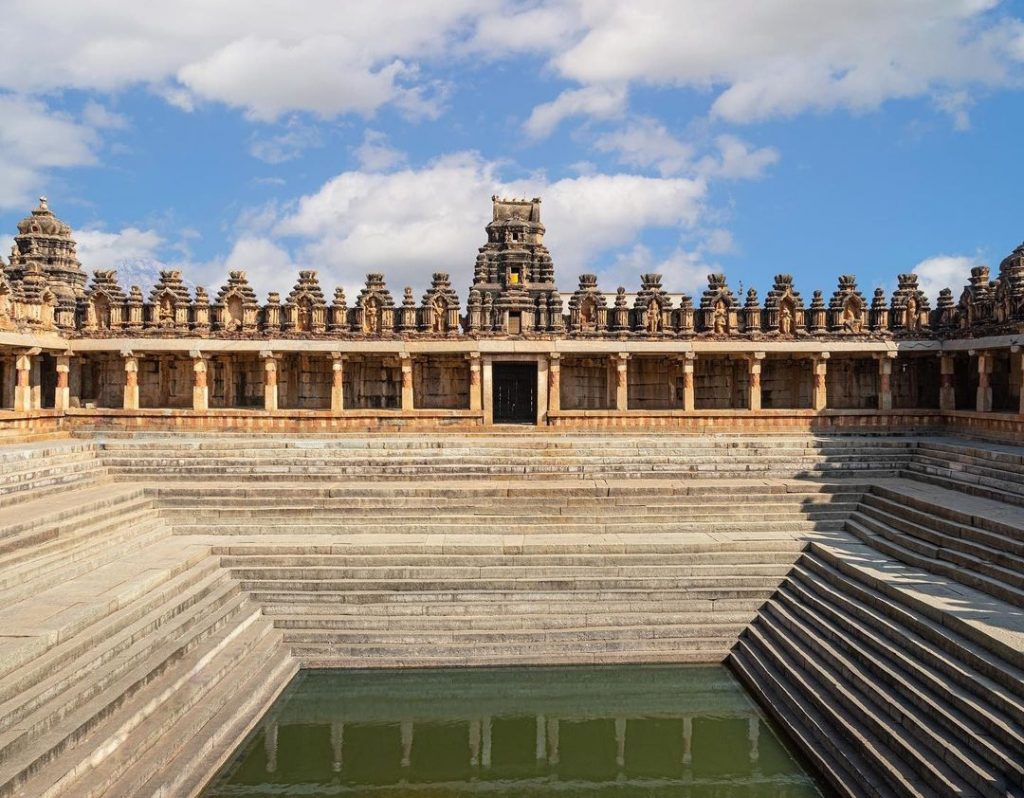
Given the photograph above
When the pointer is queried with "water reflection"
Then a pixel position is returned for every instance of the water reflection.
(630, 731)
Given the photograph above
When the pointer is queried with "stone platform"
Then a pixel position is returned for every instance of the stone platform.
(160, 590)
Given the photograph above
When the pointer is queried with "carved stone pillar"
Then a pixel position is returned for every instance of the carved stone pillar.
(474, 381)
(270, 746)
(983, 401)
(622, 382)
(947, 389)
(554, 383)
(131, 381)
(620, 742)
(337, 745)
(885, 380)
(406, 729)
(819, 396)
(754, 379)
(200, 383)
(269, 381)
(407, 396)
(23, 381)
(337, 382)
(486, 389)
(688, 396)
(62, 394)
(1018, 353)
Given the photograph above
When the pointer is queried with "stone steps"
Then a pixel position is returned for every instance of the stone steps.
(887, 700)
(154, 722)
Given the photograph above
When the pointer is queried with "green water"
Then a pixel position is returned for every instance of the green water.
(622, 731)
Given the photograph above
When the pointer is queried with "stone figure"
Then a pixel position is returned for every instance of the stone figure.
(720, 320)
(786, 320)
(653, 317)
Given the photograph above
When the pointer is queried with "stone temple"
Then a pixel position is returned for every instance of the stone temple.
(204, 492)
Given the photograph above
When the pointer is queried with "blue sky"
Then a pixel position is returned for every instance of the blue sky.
(685, 136)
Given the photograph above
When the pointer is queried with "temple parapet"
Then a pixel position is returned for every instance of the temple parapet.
(513, 295)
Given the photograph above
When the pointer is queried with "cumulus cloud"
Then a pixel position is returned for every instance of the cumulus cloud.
(682, 270)
(771, 58)
(33, 139)
(646, 142)
(287, 145)
(943, 271)
(376, 155)
(736, 160)
(411, 222)
(596, 101)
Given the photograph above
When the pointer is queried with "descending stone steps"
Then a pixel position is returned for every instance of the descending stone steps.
(836, 652)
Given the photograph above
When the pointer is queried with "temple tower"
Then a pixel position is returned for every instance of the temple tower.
(513, 290)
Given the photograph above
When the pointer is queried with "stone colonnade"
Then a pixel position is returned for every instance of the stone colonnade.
(480, 738)
(567, 381)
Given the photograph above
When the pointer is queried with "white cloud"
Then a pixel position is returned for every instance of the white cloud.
(268, 266)
(375, 155)
(770, 58)
(294, 140)
(645, 142)
(682, 271)
(736, 160)
(33, 139)
(411, 222)
(330, 58)
(99, 249)
(602, 102)
(943, 271)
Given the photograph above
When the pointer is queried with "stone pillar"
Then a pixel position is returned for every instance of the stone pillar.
(487, 390)
(754, 380)
(620, 742)
(36, 381)
(485, 754)
(542, 738)
(754, 737)
(1018, 352)
(269, 381)
(554, 383)
(885, 380)
(337, 745)
(687, 740)
(407, 397)
(406, 728)
(131, 381)
(475, 402)
(689, 403)
(337, 382)
(553, 755)
(62, 394)
(542, 391)
(622, 382)
(23, 381)
(819, 396)
(474, 743)
(200, 383)
(983, 401)
(947, 389)
(270, 746)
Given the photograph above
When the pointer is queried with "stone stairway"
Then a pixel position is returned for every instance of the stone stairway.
(118, 640)
(987, 470)
(490, 456)
(31, 470)
(891, 669)
(422, 574)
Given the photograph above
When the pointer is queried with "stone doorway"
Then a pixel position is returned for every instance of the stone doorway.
(515, 393)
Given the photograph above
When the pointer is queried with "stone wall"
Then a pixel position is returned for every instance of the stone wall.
(585, 383)
(441, 383)
(721, 383)
(373, 383)
(654, 383)
(236, 381)
(915, 382)
(853, 383)
(786, 383)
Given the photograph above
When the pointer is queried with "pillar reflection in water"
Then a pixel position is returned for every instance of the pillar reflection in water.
(662, 731)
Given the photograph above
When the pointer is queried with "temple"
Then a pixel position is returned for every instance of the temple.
(95, 353)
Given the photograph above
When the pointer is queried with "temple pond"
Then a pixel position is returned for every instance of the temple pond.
(626, 731)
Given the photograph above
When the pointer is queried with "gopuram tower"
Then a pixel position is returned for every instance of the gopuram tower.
(514, 289)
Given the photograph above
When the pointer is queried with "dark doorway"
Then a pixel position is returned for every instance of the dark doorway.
(515, 393)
